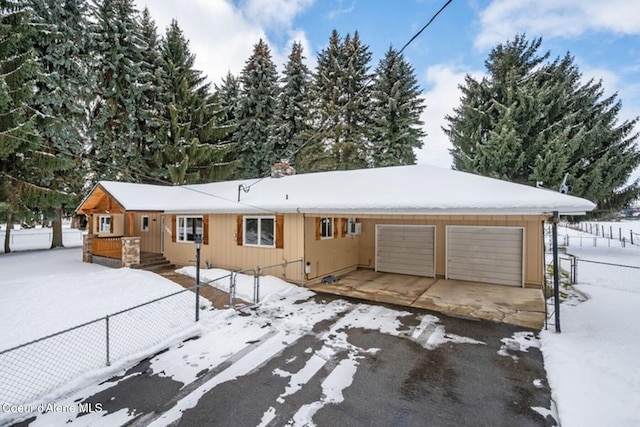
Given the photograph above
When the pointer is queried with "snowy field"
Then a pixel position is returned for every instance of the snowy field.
(38, 238)
(44, 292)
(614, 229)
(591, 365)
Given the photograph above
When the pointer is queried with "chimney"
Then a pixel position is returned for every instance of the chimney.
(280, 169)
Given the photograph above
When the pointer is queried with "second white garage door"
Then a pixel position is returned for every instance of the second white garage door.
(486, 254)
(406, 249)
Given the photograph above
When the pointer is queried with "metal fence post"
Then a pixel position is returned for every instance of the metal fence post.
(256, 286)
(107, 322)
(232, 288)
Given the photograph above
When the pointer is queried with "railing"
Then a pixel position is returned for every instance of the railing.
(256, 279)
(109, 247)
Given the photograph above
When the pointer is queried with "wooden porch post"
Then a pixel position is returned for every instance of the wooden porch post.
(131, 228)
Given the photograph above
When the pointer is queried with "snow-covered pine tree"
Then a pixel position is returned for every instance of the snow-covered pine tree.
(115, 134)
(227, 95)
(24, 159)
(324, 109)
(530, 120)
(353, 149)
(62, 98)
(190, 148)
(256, 112)
(154, 99)
(292, 115)
(341, 94)
(396, 108)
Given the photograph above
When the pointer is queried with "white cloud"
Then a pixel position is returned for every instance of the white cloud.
(503, 19)
(274, 13)
(222, 35)
(442, 97)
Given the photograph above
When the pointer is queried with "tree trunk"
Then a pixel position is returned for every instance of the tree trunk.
(7, 235)
(56, 240)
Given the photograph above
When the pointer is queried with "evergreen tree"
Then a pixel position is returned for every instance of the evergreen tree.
(228, 96)
(396, 109)
(62, 98)
(116, 136)
(256, 112)
(341, 96)
(533, 120)
(292, 117)
(23, 159)
(154, 98)
(191, 151)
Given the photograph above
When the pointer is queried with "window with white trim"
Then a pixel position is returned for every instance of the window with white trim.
(144, 223)
(105, 224)
(188, 228)
(260, 231)
(326, 228)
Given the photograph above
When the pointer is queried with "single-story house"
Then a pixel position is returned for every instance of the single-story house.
(419, 220)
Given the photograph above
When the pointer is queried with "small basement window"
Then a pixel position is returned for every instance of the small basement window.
(144, 224)
(326, 228)
(188, 227)
(259, 231)
(105, 224)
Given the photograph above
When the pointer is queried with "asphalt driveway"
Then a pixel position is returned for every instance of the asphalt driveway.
(454, 372)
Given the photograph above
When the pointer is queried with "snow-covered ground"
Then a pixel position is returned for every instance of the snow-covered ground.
(592, 364)
(44, 292)
(614, 229)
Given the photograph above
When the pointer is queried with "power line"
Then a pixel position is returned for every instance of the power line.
(372, 78)
(138, 175)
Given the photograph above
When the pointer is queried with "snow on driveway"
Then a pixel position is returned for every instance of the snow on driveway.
(592, 364)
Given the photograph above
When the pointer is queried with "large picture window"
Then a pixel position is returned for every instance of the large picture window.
(188, 227)
(259, 231)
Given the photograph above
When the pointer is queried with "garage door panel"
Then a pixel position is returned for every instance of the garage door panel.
(485, 254)
(487, 264)
(490, 251)
(490, 238)
(405, 249)
(504, 254)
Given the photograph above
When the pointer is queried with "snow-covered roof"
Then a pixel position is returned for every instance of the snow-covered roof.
(417, 189)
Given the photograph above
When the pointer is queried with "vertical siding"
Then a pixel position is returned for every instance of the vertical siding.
(118, 225)
(533, 237)
(224, 252)
(334, 255)
(329, 255)
(150, 239)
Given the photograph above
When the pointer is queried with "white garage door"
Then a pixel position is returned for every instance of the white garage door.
(486, 254)
(406, 249)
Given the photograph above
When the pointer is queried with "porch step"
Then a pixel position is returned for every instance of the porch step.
(151, 262)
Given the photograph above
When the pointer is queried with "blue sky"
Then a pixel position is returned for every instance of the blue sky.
(604, 38)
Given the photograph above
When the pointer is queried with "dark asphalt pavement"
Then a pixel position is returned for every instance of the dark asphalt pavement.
(397, 383)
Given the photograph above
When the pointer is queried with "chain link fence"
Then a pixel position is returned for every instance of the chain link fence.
(32, 370)
(604, 274)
